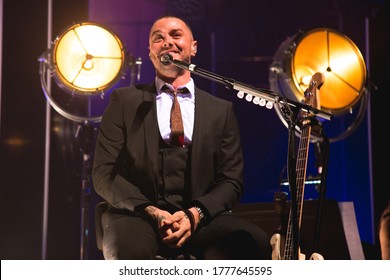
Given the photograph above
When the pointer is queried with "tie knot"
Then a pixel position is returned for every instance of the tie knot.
(167, 89)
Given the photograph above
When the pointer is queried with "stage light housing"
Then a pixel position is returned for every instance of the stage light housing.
(326, 51)
(87, 59)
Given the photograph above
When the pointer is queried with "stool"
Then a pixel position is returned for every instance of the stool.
(99, 209)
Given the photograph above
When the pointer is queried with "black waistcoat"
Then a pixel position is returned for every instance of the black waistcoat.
(173, 176)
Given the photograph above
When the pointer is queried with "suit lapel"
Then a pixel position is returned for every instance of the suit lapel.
(200, 120)
(151, 131)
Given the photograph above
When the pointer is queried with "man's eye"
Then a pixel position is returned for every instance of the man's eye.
(158, 38)
(177, 35)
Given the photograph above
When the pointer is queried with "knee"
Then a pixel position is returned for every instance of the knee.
(118, 251)
(239, 245)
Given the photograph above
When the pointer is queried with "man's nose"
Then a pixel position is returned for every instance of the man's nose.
(168, 42)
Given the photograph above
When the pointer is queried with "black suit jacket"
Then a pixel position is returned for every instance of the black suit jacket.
(125, 171)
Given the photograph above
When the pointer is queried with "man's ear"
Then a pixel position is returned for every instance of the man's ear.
(194, 48)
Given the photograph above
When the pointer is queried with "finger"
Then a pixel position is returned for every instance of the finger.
(178, 243)
(175, 226)
(177, 236)
(166, 223)
(181, 242)
(164, 231)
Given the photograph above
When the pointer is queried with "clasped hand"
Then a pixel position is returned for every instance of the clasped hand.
(173, 229)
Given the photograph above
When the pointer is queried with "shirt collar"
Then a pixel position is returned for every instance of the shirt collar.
(190, 85)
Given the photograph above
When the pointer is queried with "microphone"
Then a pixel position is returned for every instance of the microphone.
(166, 59)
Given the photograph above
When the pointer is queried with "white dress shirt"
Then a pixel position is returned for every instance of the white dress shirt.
(164, 103)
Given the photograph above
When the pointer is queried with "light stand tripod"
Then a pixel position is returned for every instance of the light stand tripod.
(88, 133)
(85, 68)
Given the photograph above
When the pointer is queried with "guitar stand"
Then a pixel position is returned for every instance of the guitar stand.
(323, 153)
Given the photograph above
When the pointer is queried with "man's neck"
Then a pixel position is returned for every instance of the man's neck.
(178, 81)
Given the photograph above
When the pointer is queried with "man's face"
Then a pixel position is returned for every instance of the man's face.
(170, 35)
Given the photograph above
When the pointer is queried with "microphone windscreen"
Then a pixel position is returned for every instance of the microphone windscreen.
(166, 59)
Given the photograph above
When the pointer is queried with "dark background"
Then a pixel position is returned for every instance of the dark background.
(237, 39)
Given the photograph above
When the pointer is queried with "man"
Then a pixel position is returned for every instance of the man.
(384, 233)
(168, 198)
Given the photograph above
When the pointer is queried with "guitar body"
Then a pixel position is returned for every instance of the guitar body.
(278, 241)
(282, 247)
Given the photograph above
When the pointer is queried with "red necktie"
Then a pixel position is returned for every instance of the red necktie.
(177, 129)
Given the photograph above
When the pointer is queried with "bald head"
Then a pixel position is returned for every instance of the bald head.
(172, 35)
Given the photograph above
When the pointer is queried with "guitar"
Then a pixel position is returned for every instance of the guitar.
(306, 121)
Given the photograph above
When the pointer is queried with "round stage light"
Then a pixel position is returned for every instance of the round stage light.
(325, 51)
(88, 59)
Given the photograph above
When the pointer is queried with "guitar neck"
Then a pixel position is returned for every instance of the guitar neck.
(311, 98)
(300, 187)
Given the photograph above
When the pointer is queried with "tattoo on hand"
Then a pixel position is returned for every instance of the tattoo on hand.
(160, 218)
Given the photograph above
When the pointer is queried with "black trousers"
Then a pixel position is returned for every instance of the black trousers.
(225, 237)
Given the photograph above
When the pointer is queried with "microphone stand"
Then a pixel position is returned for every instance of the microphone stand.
(289, 105)
(230, 83)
